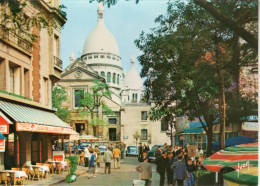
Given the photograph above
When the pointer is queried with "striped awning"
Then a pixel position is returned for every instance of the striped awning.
(32, 119)
(232, 156)
(88, 138)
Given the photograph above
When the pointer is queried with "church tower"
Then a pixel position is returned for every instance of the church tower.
(101, 53)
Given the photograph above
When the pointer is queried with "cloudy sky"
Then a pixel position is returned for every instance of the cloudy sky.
(126, 20)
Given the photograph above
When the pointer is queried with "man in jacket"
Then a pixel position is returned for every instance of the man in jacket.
(140, 152)
(86, 156)
(98, 155)
(107, 160)
(158, 152)
(145, 170)
(169, 169)
(116, 156)
(122, 148)
(162, 164)
(180, 172)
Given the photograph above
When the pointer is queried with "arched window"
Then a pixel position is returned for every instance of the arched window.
(118, 79)
(108, 77)
(114, 77)
(102, 74)
(136, 96)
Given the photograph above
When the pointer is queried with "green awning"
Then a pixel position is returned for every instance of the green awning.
(25, 114)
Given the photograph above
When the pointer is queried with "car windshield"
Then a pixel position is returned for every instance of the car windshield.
(132, 148)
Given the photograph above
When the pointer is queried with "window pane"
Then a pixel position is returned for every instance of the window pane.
(144, 115)
(112, 120)
(78, 95)
(144, 134)
(11, 79)
(102, 74)
(118, 79)
(164, 125)
(108, 77)
(114, 78)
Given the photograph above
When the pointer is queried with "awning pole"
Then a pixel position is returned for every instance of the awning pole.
(216, 177)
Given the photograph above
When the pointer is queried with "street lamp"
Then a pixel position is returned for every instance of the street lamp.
(172, 124)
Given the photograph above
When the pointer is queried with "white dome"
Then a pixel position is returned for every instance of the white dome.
(100, 40)
(133, 80)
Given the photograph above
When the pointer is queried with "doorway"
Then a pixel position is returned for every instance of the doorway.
(112, 134)
(79, 127)
(36, 151)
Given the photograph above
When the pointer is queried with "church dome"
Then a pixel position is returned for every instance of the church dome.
(133, 80)
(100, 40)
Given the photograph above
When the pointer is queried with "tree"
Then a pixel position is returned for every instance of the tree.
(188, 60)
(92, 104)
(58, 97)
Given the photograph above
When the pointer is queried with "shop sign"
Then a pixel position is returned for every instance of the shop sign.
(125, 137)
(4, 129)
(181, 137)
(58, 155)
(74, 137)
(250, 126)
(2, 145)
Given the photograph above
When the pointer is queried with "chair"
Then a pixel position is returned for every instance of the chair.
(58, 167)
(15, 169)
(14, 180)
(26, 170)
(36, 173)
(47, 172)
(4, 178)
(39, 164)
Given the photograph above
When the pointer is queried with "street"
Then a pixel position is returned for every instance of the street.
(123, 176)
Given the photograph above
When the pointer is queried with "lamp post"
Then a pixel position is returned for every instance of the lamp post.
(172, 124)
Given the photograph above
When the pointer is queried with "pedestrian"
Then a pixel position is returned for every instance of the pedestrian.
(180, 172)
(81, 157)
(162, 163)
(107, 160)
(158, 152)
(144, 154)
(147, 148)
(145, 170)
(122, 148)
(140, 152)
(169, 169)
(86, 155)
(92, 166)
(199, 152)
(98, 155)
(190, 168)
(116, 156)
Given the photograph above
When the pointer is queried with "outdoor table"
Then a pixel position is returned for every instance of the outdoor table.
(63, 163)
(42, 168)
(18, 174)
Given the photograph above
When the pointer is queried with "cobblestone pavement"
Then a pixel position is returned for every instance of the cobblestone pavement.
(118, 177)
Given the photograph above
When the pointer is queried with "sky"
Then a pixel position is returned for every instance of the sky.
(125, 20)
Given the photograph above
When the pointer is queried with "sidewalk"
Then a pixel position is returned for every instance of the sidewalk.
(55, 179)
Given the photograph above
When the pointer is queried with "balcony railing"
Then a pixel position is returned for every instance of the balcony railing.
(57, 61)
(16, 40)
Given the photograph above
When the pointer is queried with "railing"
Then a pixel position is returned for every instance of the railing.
(16, 40)
(57, 61)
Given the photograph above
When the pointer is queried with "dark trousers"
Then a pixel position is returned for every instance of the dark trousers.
(179, 182)
(122, 154)
(162, 177)
(146, 181)
(108, 167)
(86, 161)
(140, 157)
(170, 176)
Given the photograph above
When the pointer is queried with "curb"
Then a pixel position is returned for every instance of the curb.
(64, 180)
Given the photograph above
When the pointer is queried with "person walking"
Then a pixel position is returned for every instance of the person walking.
(86, 155)
(158, 152)
(140, 152)
(92, 166)
(122, 148)
(162, 164)
(107, 160)
(145, 170)
(180, 172)
(169, 169)
(190, 168)
(98, 155)
(116, 156)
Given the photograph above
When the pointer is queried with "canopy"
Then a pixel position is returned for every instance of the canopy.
(74, 136)
(88, 138)
(231, 156)
(233, 141)
(2, 136)
(244, 177)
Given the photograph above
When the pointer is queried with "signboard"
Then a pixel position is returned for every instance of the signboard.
(74, 137)
(4, 129)
(250, 126)
(58, 155)
(2, 145)
(191, 150)
(125, 137)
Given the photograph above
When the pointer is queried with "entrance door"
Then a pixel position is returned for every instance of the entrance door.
(112, 134)
(79, 127)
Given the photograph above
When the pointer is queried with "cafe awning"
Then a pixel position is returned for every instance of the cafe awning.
(34, 120)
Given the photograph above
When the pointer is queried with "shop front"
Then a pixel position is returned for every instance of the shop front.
(30, 133)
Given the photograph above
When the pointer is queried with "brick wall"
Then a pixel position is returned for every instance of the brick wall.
(36, 66)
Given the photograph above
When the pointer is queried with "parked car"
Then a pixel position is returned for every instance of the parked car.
(131, 151)
(102, 149)
(66, 145)
(150, 154)
(84, 144)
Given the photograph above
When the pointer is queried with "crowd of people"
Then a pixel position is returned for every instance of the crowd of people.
(172, 162)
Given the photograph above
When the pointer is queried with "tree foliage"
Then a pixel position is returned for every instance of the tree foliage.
(58, 97)
(183, 57)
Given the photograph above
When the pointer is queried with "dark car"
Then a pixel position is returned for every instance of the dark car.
(150, 154)
(132, 151)
(102, 148)
(66, 145)
(84, 144)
